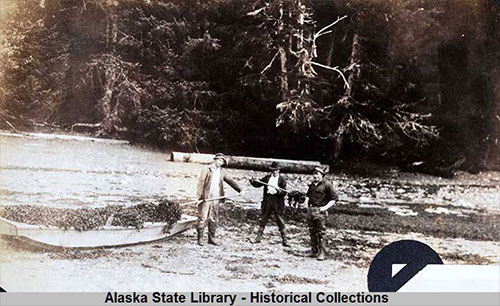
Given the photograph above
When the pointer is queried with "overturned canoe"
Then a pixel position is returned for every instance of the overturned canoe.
(251, 163)
(105, 236)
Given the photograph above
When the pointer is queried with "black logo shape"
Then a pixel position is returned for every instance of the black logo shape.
(416, 255)
(2, 290)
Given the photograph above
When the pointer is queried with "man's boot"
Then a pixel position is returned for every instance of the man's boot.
(313, 253)
(211, 236)
(322, 248)
(200, 236)
(314, 247)
(284, 240)
(260, 233)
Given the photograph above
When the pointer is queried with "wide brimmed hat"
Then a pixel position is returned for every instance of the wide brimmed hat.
(320, 170)
(274, 166)
(221, 156)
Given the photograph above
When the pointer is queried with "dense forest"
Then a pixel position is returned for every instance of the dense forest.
(395, 81)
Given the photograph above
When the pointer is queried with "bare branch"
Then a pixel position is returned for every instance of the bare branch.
(334, 69)
(324, 33)
(312, 70)
(11, 126)
(415, 130)
(257, 11)
(323, 30)
(270, 63)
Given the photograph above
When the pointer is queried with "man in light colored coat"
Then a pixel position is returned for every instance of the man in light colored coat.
(211, 187)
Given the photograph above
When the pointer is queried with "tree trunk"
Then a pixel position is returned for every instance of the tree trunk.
(300, 21)
(283, 57)
(111, 30)
(300, 41)
(329, 57)
(355, 59)
(109, 111)
(491, 66)
(328, 62)
(338, 137)
(283, 74)
(105, 101)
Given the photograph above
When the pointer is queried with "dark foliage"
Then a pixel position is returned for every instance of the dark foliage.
(200, 76)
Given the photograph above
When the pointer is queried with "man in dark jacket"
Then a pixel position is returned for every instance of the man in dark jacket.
(211, 186)
(273, 202)
(320, 197)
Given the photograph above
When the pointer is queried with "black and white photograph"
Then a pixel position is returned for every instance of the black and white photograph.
(246, 145)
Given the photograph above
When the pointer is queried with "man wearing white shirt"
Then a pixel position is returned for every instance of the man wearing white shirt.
(273, 202)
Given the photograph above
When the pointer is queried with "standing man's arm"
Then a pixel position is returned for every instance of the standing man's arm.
(333, 197)
(327, 206)
(228, 179)
(282, 185)
(257, 184)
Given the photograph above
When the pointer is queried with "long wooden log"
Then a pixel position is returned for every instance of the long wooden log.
(251, 163)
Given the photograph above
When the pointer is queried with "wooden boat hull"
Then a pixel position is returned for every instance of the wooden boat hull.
(106, 236)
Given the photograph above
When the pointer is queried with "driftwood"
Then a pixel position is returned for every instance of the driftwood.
(13, 129)
(46, 125)
(251, 163)
(88, 126)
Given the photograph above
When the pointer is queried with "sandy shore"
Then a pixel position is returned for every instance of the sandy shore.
(458, 218)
